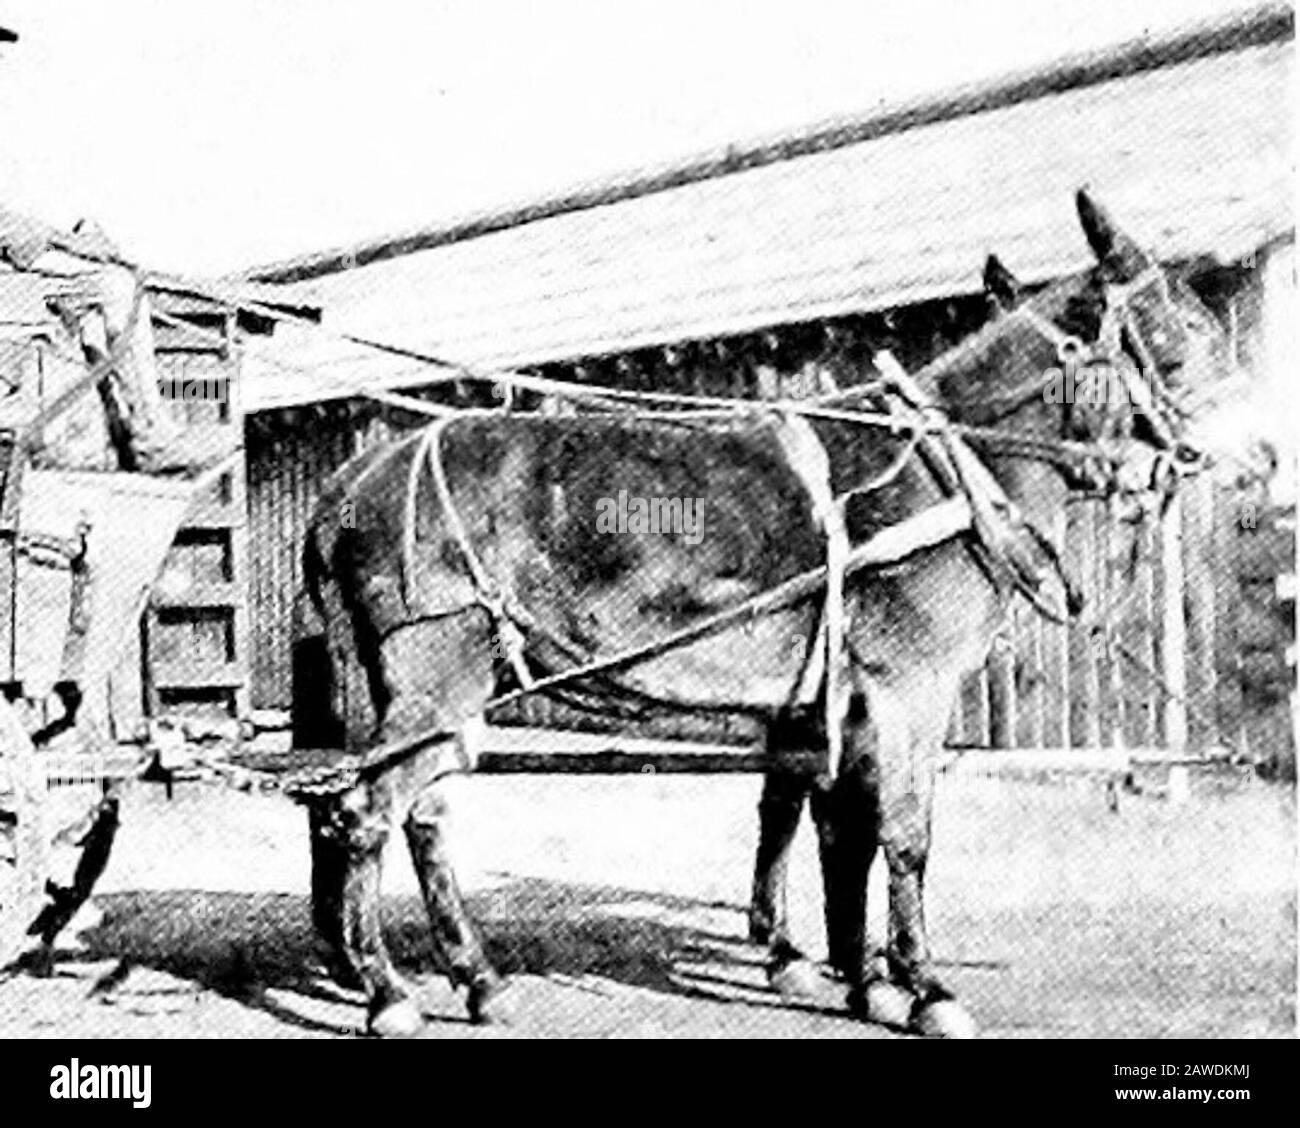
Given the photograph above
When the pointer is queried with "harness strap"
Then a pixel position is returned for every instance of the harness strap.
(806, 455)
(1008, 538)
(488, 594)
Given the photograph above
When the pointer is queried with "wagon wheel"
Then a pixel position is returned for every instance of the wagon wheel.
(24, 846)
(34, 908)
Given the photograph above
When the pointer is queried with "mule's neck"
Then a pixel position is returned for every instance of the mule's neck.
(996, 380)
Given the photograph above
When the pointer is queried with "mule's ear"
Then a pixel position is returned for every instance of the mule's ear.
(1122, 258)
(1000, 284)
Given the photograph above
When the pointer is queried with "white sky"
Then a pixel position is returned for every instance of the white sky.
(210, 137)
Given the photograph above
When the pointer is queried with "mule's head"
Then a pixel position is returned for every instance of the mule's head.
(1164, 350)
(1170, 334)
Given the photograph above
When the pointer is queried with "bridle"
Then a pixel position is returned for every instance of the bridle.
(1120, 348)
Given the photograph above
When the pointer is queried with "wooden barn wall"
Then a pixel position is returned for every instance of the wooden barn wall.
(1042, 686)
(286, 468)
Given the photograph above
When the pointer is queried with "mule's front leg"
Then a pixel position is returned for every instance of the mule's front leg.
(896, 741)
(906, 801)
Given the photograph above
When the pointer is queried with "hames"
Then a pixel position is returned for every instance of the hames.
(98, 1082)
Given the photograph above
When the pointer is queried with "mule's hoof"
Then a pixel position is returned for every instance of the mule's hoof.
(37, 961)
(401, 1019)
(489, 1001)
(945, 1018)
(882, 1002)
(798, 979)
(336, 971)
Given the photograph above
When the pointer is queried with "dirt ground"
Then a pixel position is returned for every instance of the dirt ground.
(616, 903)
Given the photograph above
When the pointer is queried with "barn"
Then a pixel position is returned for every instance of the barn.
(726, 272)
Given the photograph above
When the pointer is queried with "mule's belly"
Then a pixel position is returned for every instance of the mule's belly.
(754, 666)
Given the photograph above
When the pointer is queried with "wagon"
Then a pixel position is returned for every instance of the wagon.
(79, 551)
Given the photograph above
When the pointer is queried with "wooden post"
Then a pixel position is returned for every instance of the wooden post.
(1085, 724)
(1172, 632)
(1002, 688)
(1109, 594)
(1029, 686)
(975, 709)
(1056, 666)
(1137, 633)
(237, 500)
(1201, 570)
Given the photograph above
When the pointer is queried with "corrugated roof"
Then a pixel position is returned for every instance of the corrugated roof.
(1191, 149)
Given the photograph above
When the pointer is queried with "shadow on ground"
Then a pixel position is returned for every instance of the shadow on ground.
(258, 950)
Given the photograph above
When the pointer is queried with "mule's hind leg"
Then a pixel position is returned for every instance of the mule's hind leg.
(329, 870)
(439, 674)
(364, 817)
(454, 935)
(845, 815)
(779, 810)
(793, 740)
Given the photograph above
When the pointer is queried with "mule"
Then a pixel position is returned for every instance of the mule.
(419, 550)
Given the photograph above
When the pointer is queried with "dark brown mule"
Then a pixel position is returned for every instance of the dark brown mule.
(1183, 343)
(410, 642)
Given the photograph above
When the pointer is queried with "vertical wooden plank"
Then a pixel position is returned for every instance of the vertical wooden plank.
(1084, 722)
(1111, 591)
(1055, 641)
(126, 690)
(1136, 634)
(955, 738)
(1056, 686)
(1002, 694)
(257, 604)
(1028, 670)
(240, 624)
(1158, 645)
(1227, 704)
(974, 706)
(1200, 568)
(1173, 634)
